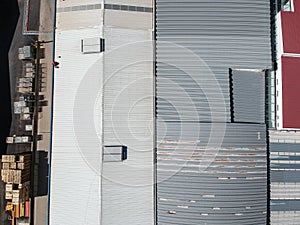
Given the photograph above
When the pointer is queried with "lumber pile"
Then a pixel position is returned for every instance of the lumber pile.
(15, 172)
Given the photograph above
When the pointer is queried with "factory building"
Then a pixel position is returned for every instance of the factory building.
(102, 109)
(284, 135)
(159, 113)
(211, 59)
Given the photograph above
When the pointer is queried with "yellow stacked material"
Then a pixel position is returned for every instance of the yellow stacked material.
(9, 206)
(17, 211)
(22, 209)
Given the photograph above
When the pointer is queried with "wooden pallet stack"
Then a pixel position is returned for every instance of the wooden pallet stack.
(15, 173)
(17, 194)
(16, 168)
(20, 194)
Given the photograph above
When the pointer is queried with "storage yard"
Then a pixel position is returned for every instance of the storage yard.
(15, 174)
(24, 166)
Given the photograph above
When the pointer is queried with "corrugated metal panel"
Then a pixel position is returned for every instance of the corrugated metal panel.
(187, 89)
(285, 179)
(284, 147)
(75, 191)
(224, 34)
(285, 217)
(284, 136)
(248, 96)
(286, 190)
(290, 29)
(290, 92)
(285, 176)
(212, 135)
(213, 182)
(127, 187)
(288, 165)
(76, 150)
(212, 172)
(285, 205)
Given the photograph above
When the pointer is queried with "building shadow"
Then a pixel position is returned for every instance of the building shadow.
(42, 173)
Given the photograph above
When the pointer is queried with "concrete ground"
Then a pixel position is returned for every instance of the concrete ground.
(46, 28)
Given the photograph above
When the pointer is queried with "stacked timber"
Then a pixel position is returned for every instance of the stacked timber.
(15, 176)
(8, 191)
(8, 158)
(17, 194)
(16, 168)
(15, 173)
(24, 162)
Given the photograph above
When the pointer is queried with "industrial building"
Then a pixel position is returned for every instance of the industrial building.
(160, 113)
(211, 131)
(103, 104)
(284, 134)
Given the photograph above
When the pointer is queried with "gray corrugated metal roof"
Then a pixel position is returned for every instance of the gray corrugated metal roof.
(225, 34)
(231, 173)
(284, 147)
(285, 176)
(248, 96)
(284, 163)
(200, 164)
(285, 205)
